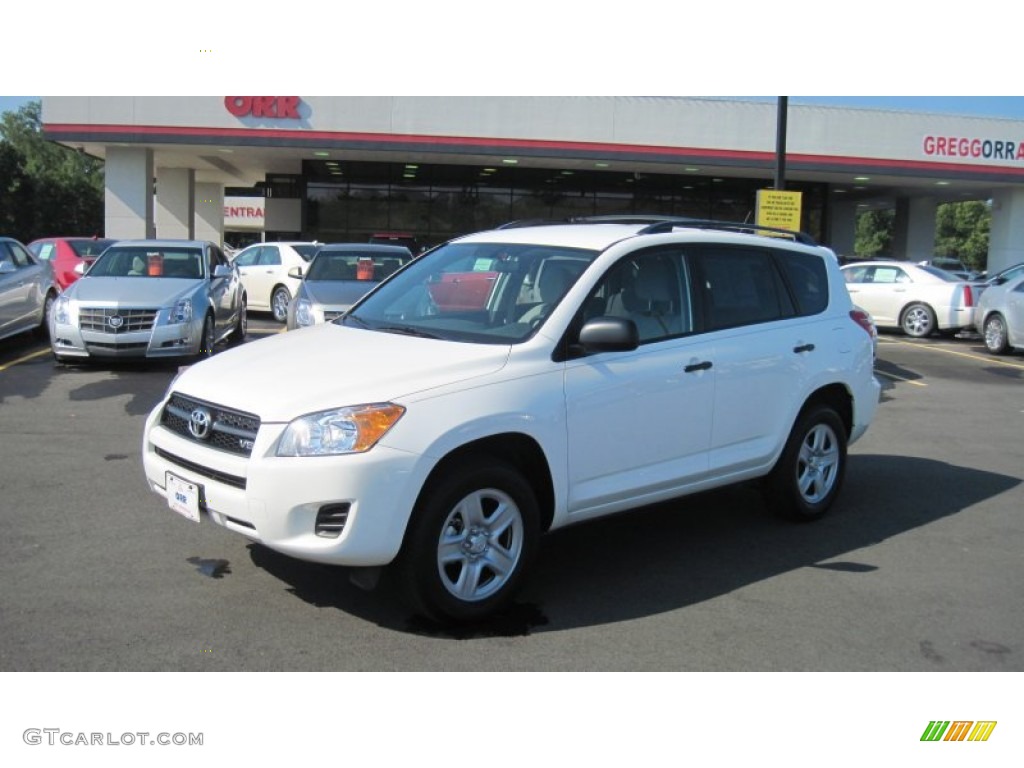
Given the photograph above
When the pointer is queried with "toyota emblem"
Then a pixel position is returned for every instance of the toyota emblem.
(199, 423)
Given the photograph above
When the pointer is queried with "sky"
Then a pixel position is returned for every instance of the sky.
(1010, 107)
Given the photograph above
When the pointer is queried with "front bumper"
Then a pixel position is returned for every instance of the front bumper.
(160, 341)
(278, 501)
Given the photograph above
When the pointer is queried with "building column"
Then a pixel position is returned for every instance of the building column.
(175, 203)
(842, 236)
(914, 238)
(209, 217)
(1006, 236)
(128, 196)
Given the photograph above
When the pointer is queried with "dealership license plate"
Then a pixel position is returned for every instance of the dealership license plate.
(183, 497)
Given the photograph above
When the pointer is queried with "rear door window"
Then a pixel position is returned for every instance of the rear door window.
(741, 286)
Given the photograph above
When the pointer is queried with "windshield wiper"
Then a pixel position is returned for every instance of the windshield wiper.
(407, 330)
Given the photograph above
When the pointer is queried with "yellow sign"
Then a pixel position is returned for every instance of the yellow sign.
(778, 209)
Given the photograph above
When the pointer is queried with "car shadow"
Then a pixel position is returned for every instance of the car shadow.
(143, 382)
(673, 555)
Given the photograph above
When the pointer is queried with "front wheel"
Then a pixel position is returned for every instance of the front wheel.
(206, 343)
(996, 340)
(279, 302)
(43, 329)
(241, 325)
(810, 470)
(471, 537)
(918, 321)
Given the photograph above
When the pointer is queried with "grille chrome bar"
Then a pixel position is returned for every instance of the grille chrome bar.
(114, 320)
(230, 431)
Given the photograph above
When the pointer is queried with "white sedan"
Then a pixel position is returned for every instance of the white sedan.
(917, 299)
(1000, 316)
(264, 268)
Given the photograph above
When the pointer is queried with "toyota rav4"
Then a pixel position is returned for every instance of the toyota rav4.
(594, 367)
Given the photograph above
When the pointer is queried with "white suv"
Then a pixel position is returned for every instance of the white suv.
(518, 380)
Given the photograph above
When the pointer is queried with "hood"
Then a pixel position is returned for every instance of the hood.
(336, 293)
(141, 292)
(328, 366)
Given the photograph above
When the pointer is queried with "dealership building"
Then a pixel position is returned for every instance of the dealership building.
(334, 169)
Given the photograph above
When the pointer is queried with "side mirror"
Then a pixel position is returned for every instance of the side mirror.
(609, 334)
(222, 270)
(295, 272)
(80, 268)
(7, 267)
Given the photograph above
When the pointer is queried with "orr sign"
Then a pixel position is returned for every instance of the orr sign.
(273, 107)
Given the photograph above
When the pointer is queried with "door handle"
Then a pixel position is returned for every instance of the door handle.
(692, 367)
(803, 348)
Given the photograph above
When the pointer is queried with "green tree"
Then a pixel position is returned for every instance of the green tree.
(962, 231)
(15, 191)
(50, 189)
(874, 233)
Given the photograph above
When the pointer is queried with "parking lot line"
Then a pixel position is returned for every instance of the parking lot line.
(13, 363)
(969, 355)
(894, 377)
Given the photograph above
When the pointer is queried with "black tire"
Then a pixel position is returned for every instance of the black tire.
(207, 342)
(279, 301)
(471, 538)
(810, 471)
(42, 331)
(918, 321)
(997, 341)
(241, 325)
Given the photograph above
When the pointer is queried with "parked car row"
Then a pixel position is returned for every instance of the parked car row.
(284, 279)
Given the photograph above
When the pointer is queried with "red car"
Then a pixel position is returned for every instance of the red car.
(66, 253)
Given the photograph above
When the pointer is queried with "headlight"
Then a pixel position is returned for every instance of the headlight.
(61, 311)
(342, 430)
(304, 313)
(181, 312)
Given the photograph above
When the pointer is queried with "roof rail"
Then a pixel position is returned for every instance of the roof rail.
(661, 224)
(531, 223)
(667, 225)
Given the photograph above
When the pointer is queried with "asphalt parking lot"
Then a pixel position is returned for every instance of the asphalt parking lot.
(917, 568)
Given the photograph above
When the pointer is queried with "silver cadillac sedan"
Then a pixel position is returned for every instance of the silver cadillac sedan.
(150, 299)
(339, 275)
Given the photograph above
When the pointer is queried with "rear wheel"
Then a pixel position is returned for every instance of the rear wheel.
(996, 340)
(471, 538)
(279, 302)
(918, 321)
(810, 470)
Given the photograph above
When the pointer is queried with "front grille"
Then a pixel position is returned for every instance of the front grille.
(229, 430)
(330, 520)
(199, 469)
(113, 320)
(330, 315)
(135, 345)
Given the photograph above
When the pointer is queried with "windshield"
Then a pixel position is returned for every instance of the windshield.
(480, 292)
(149, 261)
(367, 265)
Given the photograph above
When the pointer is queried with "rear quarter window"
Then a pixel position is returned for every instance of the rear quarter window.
(807, 277)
